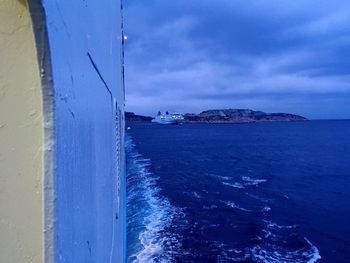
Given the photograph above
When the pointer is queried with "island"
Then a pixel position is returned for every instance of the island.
(239, 116)
(130, 116)
(227, 116)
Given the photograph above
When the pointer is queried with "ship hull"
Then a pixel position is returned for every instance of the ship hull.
(62, 65)
(167, 122)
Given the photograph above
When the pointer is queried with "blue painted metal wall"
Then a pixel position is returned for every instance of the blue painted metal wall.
(84, 39)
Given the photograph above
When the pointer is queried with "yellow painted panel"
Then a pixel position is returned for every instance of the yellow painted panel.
(21, 138)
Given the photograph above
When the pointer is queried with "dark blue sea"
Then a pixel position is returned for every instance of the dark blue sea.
(263, 192)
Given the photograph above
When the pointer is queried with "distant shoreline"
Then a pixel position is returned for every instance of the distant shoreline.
(238, 116)
(227, 116)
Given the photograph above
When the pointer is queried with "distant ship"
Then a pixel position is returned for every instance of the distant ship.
(169, 118)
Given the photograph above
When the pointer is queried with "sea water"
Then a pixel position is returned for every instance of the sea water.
(263, 192)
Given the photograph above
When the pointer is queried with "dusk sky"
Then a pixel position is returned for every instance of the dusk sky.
(270, 55)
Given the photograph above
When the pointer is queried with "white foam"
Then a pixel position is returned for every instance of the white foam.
(258, 197)
(235, 206)
(235, 185)
(266, 209)
(316, 254)
(226, 178)
(156, 244)
(275, 254)
(268, 234)
(274, 225)
(229, 254)
(154, 214)
(274, 246)
(196, 195)
(250, 181)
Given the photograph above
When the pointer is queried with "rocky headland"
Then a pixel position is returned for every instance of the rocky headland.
(227, 116)
(130, 116)
(239, 116)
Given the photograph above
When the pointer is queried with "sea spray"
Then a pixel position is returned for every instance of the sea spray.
(149, 214)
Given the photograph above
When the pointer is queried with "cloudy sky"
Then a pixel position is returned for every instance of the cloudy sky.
(271, 55)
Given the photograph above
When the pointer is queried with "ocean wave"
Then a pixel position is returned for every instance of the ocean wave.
(149, 214)
(281, 243)
(225, 178)
(274, 225)
(246, 181)
(153, 223)
(266, 209)
(209, 207)
(235, 206)
(235, 185)
(250, 181)
(270, 254)
(259, 198)
(196, 195)
(275, 244)
(273, 254)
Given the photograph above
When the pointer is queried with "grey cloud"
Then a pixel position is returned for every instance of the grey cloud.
(192, 55)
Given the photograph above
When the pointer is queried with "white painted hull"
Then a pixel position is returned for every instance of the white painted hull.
(167, 122)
